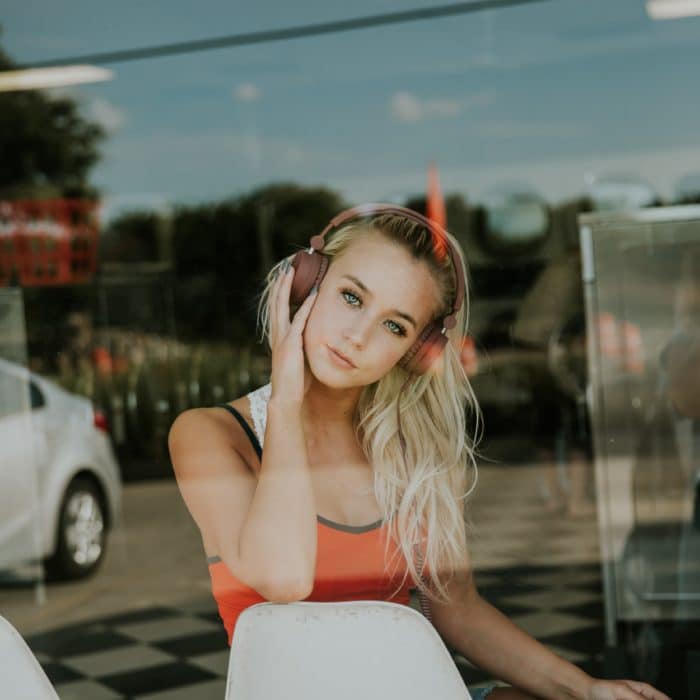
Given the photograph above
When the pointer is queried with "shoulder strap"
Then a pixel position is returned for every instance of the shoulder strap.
(244, 424)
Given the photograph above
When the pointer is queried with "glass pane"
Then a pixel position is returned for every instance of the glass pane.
(21, 448)
(644, 304)
(141, 212)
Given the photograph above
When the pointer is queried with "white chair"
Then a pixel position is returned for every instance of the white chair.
(359, 650)
(20, 674)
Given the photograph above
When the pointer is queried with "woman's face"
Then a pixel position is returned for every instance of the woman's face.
(372, 304)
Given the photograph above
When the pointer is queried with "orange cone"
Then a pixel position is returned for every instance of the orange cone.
(435, 209)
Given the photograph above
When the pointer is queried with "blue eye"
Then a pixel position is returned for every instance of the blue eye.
(347, 293)
(400, 330)
(351, 299)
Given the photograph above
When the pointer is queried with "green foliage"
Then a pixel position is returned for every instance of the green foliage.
(223, 250)
(47, 147)
(296, 213)
(131, 237)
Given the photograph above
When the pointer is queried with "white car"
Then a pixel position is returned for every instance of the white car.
(60, 485)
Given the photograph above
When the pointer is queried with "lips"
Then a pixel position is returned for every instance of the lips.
(340, 355)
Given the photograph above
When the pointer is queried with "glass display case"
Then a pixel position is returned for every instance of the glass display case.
(641, 275)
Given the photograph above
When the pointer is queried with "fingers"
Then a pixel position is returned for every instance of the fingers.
(285, 288)
(272, 306)
(279, 301)
(625, 692)
(646, 691)
(280, 293)
(303, 312)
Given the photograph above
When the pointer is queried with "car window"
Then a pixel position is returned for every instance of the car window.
(35, 396)
(13, 395)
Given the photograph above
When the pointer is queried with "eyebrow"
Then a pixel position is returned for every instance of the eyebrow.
(401, 314)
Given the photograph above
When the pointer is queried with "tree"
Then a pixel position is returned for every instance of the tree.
(220, 260)
(295, 214)
(47, 147)
(131, 237)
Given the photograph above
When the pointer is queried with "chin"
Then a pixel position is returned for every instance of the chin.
(329, 376)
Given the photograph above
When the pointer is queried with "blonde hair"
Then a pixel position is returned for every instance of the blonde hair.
(421, 487)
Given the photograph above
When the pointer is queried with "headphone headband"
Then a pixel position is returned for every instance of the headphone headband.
(365, 210)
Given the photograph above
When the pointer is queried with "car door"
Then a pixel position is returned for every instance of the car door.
(19, 454)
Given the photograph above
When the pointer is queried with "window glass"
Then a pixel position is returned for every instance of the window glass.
(147, 192)
(35, 395)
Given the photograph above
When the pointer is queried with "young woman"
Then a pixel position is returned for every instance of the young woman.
(359, 491)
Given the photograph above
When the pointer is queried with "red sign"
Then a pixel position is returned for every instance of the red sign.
(48, 241)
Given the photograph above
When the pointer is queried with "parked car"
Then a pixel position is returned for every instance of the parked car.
(60, 485)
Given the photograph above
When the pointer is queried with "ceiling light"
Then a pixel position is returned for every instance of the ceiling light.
(672, 9)
(38, 78)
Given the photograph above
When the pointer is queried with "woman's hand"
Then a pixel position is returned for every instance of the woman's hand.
(289, 377)
(624, 690)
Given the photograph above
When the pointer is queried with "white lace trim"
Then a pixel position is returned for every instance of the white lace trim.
(258, 410)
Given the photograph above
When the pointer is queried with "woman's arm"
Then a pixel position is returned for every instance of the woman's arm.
(482, 634)
(279, 532)
(264, 530)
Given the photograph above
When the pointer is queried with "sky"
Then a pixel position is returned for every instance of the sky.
(545, 97)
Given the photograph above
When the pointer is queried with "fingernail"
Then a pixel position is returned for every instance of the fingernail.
(287, 265)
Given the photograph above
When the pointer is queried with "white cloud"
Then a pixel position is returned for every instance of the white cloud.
(106, 114)
(247, 92)
(407, 107)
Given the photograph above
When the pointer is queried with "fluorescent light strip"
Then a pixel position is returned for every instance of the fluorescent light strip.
(673, 9)
(38, 78)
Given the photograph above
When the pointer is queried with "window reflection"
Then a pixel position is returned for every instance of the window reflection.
(139, 216)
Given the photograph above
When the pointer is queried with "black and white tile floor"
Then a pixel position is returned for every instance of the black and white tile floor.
(163, 653)
(157, 652)
(539, 568)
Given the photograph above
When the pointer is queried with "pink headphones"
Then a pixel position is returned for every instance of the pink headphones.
(311, 265)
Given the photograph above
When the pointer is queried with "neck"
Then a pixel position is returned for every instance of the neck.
(330, 408)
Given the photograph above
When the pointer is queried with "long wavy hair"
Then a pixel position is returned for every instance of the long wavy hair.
(421, 485)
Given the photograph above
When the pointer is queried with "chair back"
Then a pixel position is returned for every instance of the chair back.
(357, 650)
(21, 675)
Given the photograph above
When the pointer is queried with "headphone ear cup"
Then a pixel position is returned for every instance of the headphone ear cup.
(309, 270)
(427, 348)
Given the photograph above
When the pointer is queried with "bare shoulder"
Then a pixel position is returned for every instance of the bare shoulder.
(242, 405)
(215, 472)
(211, 418)
(208, 431)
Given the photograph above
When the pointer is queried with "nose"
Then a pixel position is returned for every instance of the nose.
(356, 334)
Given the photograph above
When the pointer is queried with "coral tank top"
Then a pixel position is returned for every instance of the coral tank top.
(350, 564)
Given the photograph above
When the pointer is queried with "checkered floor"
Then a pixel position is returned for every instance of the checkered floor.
(157, 652)
(539, 567)
(165, 653)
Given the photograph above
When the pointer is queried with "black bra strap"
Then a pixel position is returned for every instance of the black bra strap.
(244, 424)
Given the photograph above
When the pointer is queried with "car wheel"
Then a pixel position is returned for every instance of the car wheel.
(80, 543)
